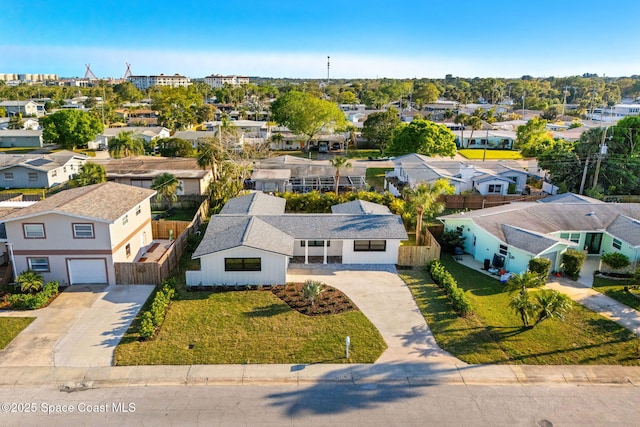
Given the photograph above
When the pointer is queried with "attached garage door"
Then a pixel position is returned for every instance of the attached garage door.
(87, 271)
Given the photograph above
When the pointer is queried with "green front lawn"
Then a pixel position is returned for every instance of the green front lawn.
(615, 289)
(249, 327)
(494, 333)
(375, 177)
(10, 327)
(177, 214)
(479, 154)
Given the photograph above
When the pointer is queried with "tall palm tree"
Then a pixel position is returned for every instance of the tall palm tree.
(424, 201)
(126, 145)
(210, 154)
(167, 187)
(30, 281)
(476, 124)
(461, 119)
(339, 162)
(90, 173)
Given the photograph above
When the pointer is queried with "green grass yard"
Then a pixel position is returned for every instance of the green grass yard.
(249, 327)
(494, 333)
(375, 177)
(479, 154)
(615, 289)
(10, 327)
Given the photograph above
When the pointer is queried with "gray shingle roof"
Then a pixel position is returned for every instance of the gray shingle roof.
(226, 232)
(105, 202)
(43, 162)
(256, 203)
(569, 198)
(529, 241)
(359, 207)
(548, 218)
(151, 167)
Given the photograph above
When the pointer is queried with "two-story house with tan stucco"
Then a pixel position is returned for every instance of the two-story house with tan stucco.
(77, 235)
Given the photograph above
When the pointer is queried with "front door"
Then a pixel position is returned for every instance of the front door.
(592, 243)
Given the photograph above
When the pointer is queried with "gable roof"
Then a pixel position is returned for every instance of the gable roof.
(256, 203)
(569, 198)
(358, 207)
(105, 202)
(226, 232)
(546, 218)
(527, 240)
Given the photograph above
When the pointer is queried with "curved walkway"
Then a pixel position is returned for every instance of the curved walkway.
(386, 300)
(600, 303)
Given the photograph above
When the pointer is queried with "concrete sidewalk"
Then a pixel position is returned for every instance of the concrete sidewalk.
(77, 379)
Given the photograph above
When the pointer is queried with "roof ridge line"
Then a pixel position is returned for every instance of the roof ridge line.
(247, 229)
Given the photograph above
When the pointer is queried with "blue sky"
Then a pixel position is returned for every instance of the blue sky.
(366, 39)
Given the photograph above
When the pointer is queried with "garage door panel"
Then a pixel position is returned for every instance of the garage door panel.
(87, 271)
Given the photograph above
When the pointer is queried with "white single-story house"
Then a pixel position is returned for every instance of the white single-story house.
(147, 133)
(252, 241)
(488, 177)
(518, 232)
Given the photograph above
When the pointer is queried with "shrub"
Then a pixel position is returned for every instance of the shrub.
(540, 266)
(452, 239)
(152, 319)
(615, 260)
(445, 280)
(34, 301)
(572, 261)
(146, 329)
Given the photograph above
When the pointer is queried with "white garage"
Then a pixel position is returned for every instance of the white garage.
(87, 271)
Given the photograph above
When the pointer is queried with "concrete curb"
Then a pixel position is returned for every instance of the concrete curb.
(75, 379)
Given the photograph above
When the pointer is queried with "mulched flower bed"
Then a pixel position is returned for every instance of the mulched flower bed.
(330, 301)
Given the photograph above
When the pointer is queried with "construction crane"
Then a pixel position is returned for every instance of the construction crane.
(88, 75)
(127, 73)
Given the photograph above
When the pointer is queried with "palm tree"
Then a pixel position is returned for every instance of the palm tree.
(210, 153)
(30, 281)
(90, 173)
(339, 162)
(311, 291)
(167, 187)
(476, 124)
(552, 304)
(277, 138)
(424, 201)
(524, 281)
(126, 145)
(461, 119)
(523, 306)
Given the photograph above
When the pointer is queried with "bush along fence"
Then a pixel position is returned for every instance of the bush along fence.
(445, 280)
(34, 301)
(152, 319)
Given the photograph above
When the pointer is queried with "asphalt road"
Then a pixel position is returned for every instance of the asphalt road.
(324, 404)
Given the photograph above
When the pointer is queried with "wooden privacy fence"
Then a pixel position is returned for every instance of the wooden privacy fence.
(154, 272)
(478, 201)
(419, 255)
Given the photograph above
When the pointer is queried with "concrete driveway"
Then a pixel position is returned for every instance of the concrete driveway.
(386, 300)
(80, 328)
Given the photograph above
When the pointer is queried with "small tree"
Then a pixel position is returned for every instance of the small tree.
(311, 291)
(541, 267)
(523, 306)
(167, 187)
(615, 260)
(552, 304)
(452, 239)
(90, 173)
(30, 281)
(572, 261)
(126, 144)
(339, 163)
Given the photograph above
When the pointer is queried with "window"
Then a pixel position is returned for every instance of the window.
(572, 237)
(33, 176)
(83, 231)
(316, 243)
(38, 264)
(8, 176)
(369, 245)
(617, 244)
(243, 264)
(33, 231)
(495, 188)
(54, 173)
(127, 250)
(503, 250)
(125, 219)
(138, 210)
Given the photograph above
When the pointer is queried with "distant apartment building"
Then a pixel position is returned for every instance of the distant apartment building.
(145, 82)
(217, 80)
(8, 77)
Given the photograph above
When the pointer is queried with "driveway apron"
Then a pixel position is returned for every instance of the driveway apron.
(81, 327)
(387, 302)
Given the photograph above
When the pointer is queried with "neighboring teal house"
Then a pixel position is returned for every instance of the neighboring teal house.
(515, 233)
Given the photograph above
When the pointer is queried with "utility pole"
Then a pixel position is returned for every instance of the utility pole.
(601, 152)
(584, 175)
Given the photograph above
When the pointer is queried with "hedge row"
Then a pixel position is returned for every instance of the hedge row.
(34, 301)
(445, 280)
(154, 316)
